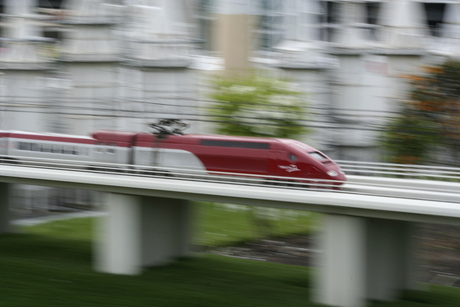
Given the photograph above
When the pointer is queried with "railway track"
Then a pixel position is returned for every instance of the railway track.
(376, 179)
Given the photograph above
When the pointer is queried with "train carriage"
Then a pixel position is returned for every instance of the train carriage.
(46, 148)
(174, 152)
(216, 154)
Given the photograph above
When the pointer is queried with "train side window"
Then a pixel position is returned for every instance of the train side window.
(235, 144)
(318, 156)
(74, 151)
(292, 157)
(56, 149)
(24, 146)
(34, 147)
(67, 150)
(45, 148)
(98, 147)
(111, 150)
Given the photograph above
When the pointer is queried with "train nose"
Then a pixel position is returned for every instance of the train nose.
(342, 176)
(337, 175)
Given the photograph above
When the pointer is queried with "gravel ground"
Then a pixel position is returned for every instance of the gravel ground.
(438, 252)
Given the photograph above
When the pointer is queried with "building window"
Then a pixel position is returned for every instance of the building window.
(270, 27)
(205, 18)
(434, 14)
(373, 10)
(329, 20)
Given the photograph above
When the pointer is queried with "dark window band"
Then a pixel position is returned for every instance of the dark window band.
(235, 144)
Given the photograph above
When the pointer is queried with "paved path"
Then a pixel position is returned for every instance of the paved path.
(31, 221)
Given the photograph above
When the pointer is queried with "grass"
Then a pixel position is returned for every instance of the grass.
(77, 228)
(225, 224)
(219, 225)
(51, 265)
(436, 296)
(40, 270)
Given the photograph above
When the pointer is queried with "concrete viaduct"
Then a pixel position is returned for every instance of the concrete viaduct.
(366, 240)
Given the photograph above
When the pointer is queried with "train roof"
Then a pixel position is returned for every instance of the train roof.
(143, 138)
(299, 144)
(19, 132)
(231, 138)
(114, 135)
(195, 138)
(253, 139)
(57, 137)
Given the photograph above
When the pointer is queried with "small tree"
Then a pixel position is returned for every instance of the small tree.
(408, 138)
(430, 116)
(258, 106)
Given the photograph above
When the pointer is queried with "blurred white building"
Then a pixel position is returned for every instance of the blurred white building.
(120, 64)
(348, 55)
(75, 66)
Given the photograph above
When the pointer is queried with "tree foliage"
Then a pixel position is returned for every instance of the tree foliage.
(408, 137)
(258, 106)
(430, 116)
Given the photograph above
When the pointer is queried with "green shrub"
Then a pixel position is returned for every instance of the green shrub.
(258, 106)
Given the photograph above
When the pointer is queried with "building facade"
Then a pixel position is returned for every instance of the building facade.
(77, 66)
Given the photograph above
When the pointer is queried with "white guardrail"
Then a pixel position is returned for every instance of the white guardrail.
(425, 172)
(377, 179)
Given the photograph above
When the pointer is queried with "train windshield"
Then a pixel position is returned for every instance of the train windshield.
(318, 156)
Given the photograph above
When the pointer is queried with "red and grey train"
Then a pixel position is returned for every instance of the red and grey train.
(213, 154)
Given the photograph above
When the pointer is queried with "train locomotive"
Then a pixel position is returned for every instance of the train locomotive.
(168, 148)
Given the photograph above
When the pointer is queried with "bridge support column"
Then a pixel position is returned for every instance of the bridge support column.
(5, 207)
(141, 232)
(363, 259)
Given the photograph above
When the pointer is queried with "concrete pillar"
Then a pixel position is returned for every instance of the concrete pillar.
(21, 26)
(24, 64)
(451, 27)
(141, 232)
(165, 230)
(4, 207)
(451, 30)
(364, 259)
(233, 24)
(353, 16)
(89, 54)
(403, 23)
(155, 79)
(390, 264)
(342, 265)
